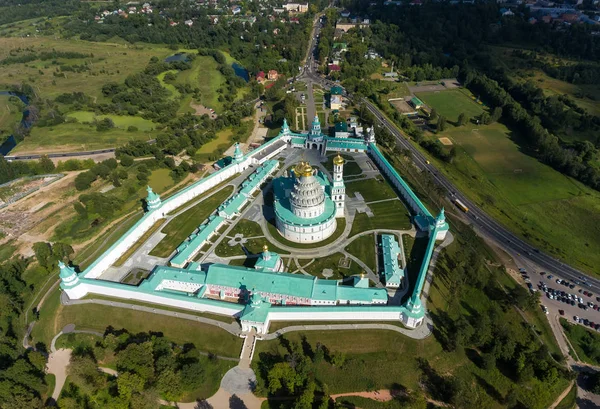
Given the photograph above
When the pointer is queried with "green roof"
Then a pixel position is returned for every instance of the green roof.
(336, 90)
(267, 261)
(341, 126)
(391, 270)
(416, 101)
(189, 247)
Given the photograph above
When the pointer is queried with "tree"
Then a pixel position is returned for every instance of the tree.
(433, 114)
(496, 114)
(129, 383)
(126, 160)
(43, 254)
(46, 165)
(84, 180)
(338, 359)
(62, 251)
(169, 384)
(137, 358)
(441, 124)
(462, 119)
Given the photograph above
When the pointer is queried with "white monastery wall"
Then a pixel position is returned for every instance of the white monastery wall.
(309, 234)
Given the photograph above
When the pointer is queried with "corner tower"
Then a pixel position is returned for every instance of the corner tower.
(338, 189)
(152, 200)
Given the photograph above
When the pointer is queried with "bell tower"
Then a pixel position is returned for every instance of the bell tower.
(338, 189)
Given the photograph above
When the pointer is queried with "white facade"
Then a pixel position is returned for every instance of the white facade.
(338, 189)
(307, 234)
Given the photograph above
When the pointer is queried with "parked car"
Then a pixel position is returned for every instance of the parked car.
(561, 312)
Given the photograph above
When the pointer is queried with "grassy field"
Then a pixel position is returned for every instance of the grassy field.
(247, 227)
(451, 103)
(180, 227)
(371, 189)
(391, 214)
(521, 193)
(585, 342)
(170, 87)
(219, 144)
(332, 262)
(111, 62)
(364, 249)
(579, 93)
(208, 338)
(10, 115)
(204, 75)
(69, 137)
(120, 121)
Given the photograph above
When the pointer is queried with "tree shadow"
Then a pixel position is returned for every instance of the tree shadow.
(490, 389)
(236, 403)
(474, 357)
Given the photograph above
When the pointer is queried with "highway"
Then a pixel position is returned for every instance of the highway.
(482, 223)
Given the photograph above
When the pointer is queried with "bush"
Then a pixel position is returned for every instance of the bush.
(132, 128)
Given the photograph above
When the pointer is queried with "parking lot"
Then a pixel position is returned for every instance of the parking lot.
(565, 296)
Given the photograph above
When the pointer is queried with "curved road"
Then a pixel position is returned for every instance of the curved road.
(478, 218)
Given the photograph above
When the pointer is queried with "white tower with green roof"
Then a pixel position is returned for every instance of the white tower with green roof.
(152, 200)
(338, 189)
(68, 276)
(441, 226)
(285, 129)
(238, 155)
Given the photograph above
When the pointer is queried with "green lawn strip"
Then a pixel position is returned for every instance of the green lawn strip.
(205, 75)
(180, 227)
(139, 243)
(585, 342)
(135, 276)
(363, 248)
(10, 115)
(45, 328)
(351, 168)
(7, 251)
(332, 262)
(97, 317)
(341, 225)
(569, 401)
(371, 189)
(451, 103)
(387, 215)
(225, 250)
(208, 192)
(120, 121)
(222, 318)
(277, 325)
(170, 87)
(215, 148)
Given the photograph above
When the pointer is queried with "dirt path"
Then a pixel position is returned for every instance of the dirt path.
(562, 396)
(382, 395)
(58, 362)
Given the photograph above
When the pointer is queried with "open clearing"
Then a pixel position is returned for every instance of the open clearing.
(451, 103)
(10, 115)
(535, 201)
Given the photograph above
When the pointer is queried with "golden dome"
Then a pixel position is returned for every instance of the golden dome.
(338, 160)
(303, 169)
(265, 248)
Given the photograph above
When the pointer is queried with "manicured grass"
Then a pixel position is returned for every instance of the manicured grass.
(179, 228)
(77, 137)
(341, 225)
(451, 103)
(521, 192)
(160, 180)
(569, 401)
(248, 228)
(332, 262)
(219, 144)
(351, 168)
(371, 189)
(135, 276)
(98, 317)
(391, 214)
(585, 342)
(139, 243)
(255, 246)
(364, 249)
(120, 121)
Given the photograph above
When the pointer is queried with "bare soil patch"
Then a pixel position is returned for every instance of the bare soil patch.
(201, 110)
(402, 106)
(445, 141)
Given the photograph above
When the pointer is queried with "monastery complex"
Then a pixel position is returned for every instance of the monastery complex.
(308, 206)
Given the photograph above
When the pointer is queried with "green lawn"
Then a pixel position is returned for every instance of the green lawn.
(204, 75)
(332, 262)
(78, 137)
(184, 224)
(364, 249)
(208, 338)
(371, 189)
(215, 146)
(586, 342)
(391, 214)
(351, 168)
(451, 103)
(170, 87)
(246, 227)
(521, 193)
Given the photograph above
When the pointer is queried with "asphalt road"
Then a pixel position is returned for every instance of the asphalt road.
(478, 218)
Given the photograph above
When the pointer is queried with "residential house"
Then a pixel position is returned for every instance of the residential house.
(345, 13)
(236, 10)
(506, 12)
(296, 7)
(278, 10)
(260, 77)
(334, 67)
(335, 102)
(272, 75)
(188, 23)
(391, 74)
(294, 20)
(340, 46)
